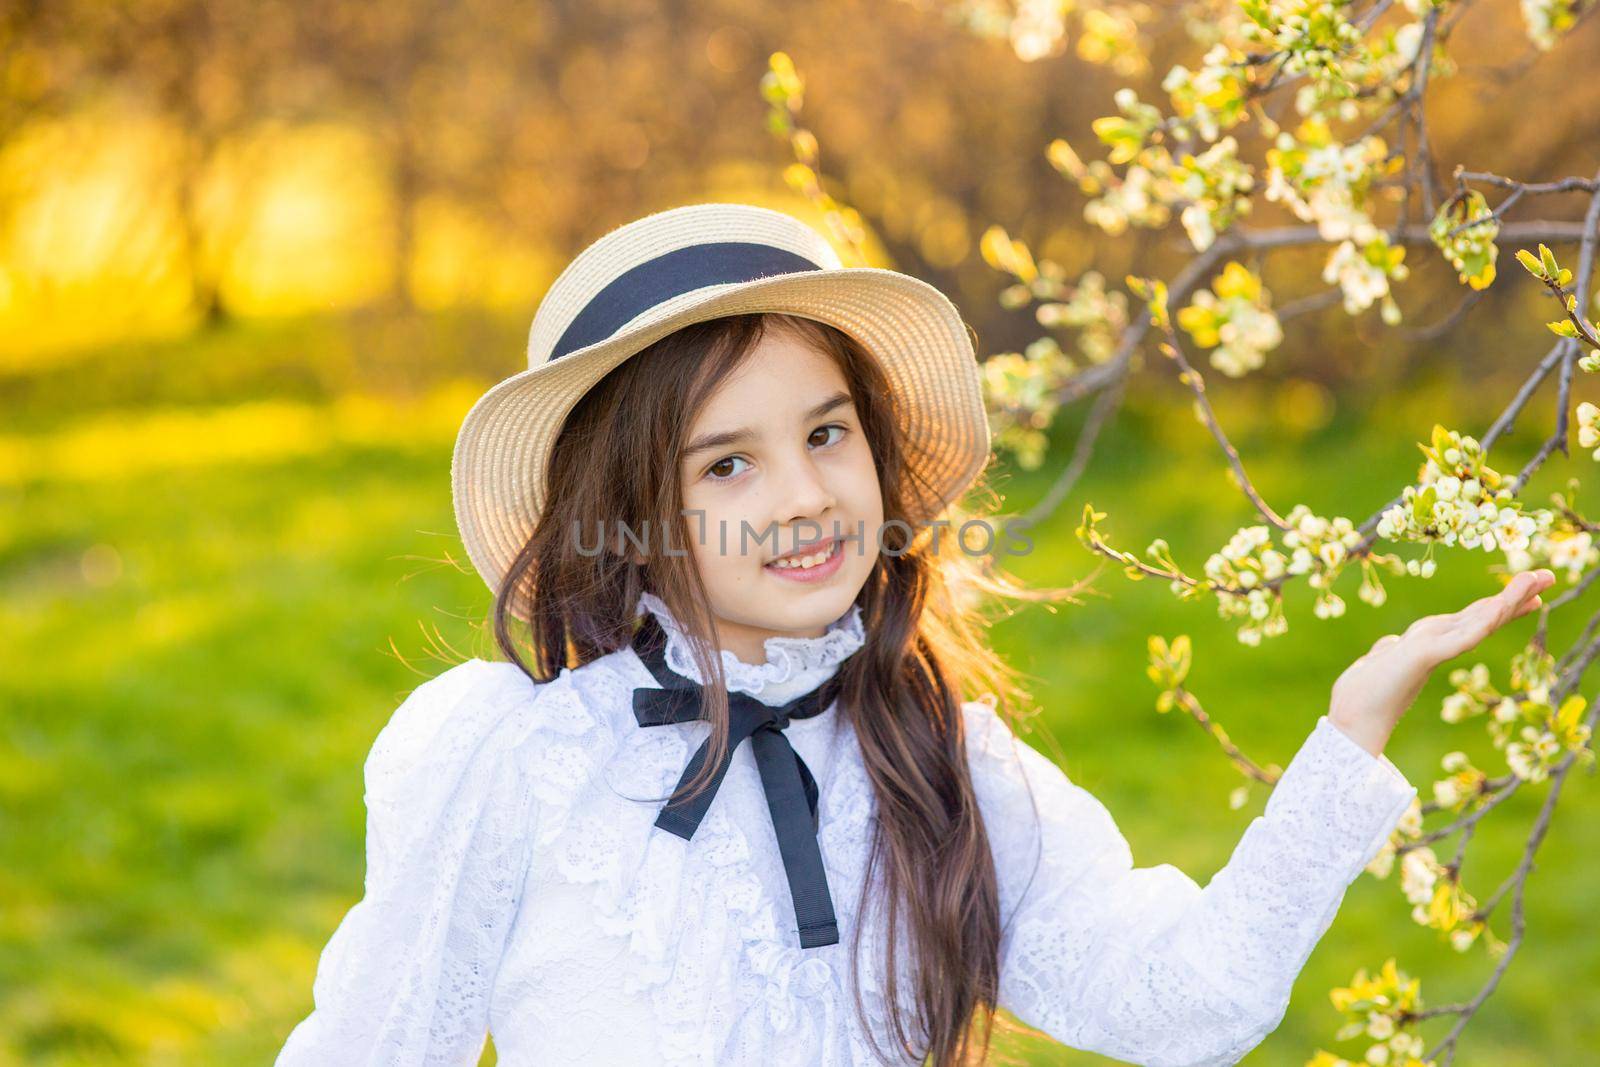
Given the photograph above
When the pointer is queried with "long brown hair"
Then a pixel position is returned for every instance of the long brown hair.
(617, 461)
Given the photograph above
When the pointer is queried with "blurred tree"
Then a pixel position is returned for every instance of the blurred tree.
(540, 126)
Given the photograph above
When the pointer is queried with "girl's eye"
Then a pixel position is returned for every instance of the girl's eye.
(713, 469)
(825, 429)
(719, 471)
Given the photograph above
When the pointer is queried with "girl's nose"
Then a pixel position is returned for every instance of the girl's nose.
(805, 493)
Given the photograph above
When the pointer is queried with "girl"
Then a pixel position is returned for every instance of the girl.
(754, 799)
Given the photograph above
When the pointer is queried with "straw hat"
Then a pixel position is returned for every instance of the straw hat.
(659, 273)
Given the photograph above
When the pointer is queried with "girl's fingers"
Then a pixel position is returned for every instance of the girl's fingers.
(1529, 582)
(1513, 595)
(1511, 600)
(1520, 596)
(1542, 579)
(1469, 626)
(1443, 637)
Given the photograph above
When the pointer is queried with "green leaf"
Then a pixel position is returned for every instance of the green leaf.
(1571, 709)
(1422, 505)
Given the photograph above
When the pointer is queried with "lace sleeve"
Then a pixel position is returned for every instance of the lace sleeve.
(1140, 963)
(405, 979)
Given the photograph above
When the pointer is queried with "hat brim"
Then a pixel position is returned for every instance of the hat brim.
(497, 470)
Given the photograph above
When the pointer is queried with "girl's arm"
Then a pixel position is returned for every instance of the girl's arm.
(1141, 963)
(406, 977)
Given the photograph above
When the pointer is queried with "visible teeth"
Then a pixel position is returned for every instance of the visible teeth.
(804, 562)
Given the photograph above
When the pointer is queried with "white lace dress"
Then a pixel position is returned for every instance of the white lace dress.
(512, 886)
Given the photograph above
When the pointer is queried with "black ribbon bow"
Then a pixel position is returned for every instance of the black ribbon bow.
(790, 788)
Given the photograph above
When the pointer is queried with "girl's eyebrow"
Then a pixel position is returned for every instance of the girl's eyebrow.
(723, 438)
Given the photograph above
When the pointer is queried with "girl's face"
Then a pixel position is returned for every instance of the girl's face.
(777, 460)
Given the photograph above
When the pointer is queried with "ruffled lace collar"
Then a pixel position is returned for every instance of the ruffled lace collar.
(794, 665)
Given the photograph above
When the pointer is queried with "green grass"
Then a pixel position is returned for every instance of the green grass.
(198, 656)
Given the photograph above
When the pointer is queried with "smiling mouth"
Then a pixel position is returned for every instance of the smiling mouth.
(811, 556)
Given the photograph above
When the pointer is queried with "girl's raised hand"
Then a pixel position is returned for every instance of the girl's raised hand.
(1375, 691)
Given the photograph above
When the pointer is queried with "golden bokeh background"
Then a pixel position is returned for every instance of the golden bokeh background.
(258, 258)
